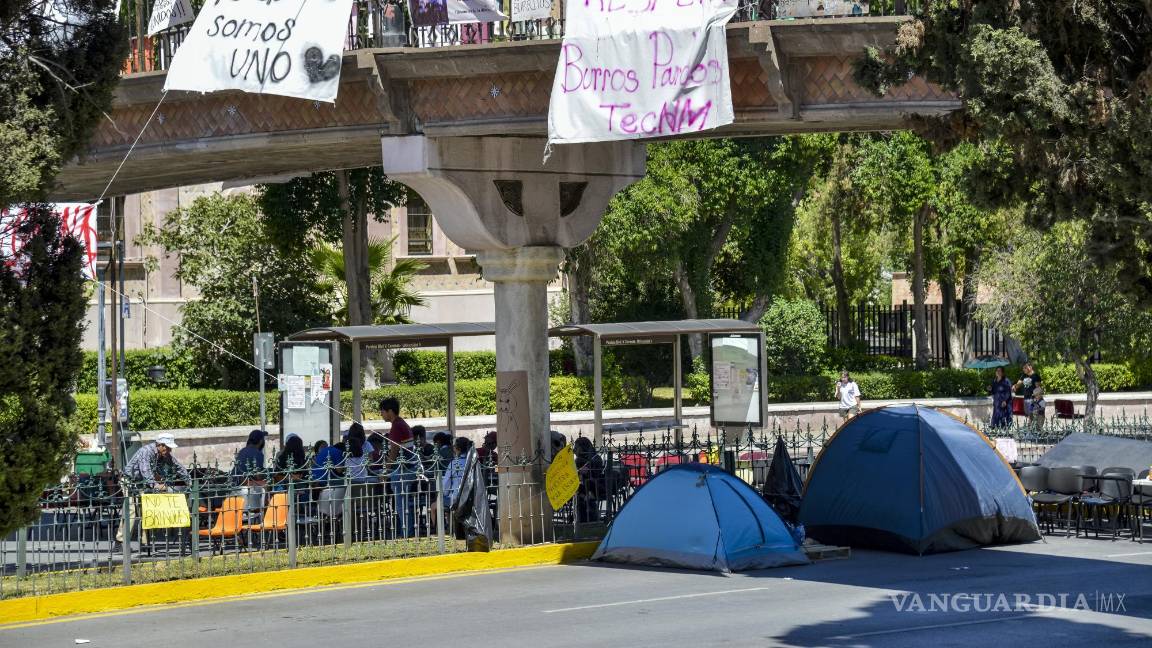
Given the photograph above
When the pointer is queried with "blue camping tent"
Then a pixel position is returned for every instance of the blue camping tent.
(913, 479)
(697, 516)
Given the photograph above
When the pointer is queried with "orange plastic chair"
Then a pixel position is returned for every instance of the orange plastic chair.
(229, 520)
(275, 515)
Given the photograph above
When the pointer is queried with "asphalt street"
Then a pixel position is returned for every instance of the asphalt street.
(871, 599)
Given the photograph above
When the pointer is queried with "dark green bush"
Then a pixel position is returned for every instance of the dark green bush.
(180, 372)
(794, 338)
(420, 367)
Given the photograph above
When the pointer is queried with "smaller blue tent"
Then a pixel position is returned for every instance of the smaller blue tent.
(697, 516)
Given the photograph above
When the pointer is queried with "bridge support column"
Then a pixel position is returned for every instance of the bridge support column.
(495, 196)
(521, 277)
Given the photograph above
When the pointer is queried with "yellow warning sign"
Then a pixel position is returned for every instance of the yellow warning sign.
(562, 480)
(164, 511)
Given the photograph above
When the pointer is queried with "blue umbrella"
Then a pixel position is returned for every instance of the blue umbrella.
(986, 362)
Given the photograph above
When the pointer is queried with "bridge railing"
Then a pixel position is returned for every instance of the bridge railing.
(388, 23)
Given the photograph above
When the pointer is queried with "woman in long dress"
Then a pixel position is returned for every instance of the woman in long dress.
(1001, 400)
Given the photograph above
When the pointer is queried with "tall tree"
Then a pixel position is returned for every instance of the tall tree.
(222, 244)
(714, 215)
(59, 62)
(41, 324)
(1065, 85)
(334, 207)
(1059, 305)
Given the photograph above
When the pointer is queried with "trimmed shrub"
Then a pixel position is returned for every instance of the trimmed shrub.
(180, 371)
(420, 367)
(165, 409)
(794, 339)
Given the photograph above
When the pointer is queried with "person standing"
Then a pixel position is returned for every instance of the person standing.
(1027, 386)
(149, 469)
(1001, 391)
(403, 460)
(848, 393)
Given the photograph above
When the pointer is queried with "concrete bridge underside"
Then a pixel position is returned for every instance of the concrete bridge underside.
(787, 77)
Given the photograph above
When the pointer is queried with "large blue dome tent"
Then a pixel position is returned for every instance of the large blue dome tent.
(696, 516)
(913, 479)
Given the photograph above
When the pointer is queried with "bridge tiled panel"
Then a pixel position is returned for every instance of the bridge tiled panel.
(222, 115)
(829, 80)
(526, 94)
(749, 85)
(518, 94)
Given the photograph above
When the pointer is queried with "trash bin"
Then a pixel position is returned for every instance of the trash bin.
(91, 462)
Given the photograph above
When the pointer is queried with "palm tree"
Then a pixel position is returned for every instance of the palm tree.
(391, 287)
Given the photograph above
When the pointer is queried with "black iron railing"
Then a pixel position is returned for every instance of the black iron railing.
(387, 23)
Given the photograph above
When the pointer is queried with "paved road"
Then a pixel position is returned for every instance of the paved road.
(852, 602)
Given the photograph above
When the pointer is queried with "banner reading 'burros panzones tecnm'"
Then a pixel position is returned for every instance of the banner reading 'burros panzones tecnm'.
(284, 47)
(641, 68)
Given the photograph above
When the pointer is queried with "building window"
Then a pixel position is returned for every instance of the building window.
(419, 226)
(104, 219)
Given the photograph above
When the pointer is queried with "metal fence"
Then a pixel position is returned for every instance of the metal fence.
(888, 330)
(285, 519)
(387, 23)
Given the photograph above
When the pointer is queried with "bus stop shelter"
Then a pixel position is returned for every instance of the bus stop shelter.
(399, 336)
(640, 333)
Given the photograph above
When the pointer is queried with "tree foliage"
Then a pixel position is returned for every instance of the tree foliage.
(41, 324)
(1050, 297)
(59, 61)
(223, 243)
(794, 339)
(1065, 86)
(391, 283)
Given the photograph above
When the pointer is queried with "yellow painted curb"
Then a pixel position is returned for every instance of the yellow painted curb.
(35, 608)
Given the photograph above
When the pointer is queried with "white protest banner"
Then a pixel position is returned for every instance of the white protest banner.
(283, 47)
(79, 220)
(169, 13)
(531, 10)
(474, 11)
(641, 68)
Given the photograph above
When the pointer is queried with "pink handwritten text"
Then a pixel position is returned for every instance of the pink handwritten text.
(672, 117)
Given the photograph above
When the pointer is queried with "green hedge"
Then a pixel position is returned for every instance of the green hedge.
(934, 383)
(180, 371)
(199, 408)
(420, 367)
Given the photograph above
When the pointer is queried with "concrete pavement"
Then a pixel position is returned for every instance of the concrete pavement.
(872, 599)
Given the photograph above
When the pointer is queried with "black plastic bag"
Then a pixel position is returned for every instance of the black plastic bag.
(783, 487)
(471, 517)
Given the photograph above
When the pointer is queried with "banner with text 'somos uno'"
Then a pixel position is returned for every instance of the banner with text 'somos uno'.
(283, 47)
(630, 69)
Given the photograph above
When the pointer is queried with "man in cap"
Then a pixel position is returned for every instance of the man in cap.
(151, 467)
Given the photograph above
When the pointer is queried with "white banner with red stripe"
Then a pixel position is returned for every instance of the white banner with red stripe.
(79, 220)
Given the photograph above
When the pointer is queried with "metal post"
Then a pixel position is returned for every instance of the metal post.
(101, 367)
(597, 392)
(347, 511)
(119, 452)
(677, 386)
(126, 546)
(451, 377)
(195, 527)
(357, 381)
(292, 523)
(124, 301)
(442, 514)
(22, 552)
(260, 383)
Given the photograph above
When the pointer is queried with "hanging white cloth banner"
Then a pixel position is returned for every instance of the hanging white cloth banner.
(169, 13)
(641, 68)
(77, 219)
(283, 47)
(474, 11)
